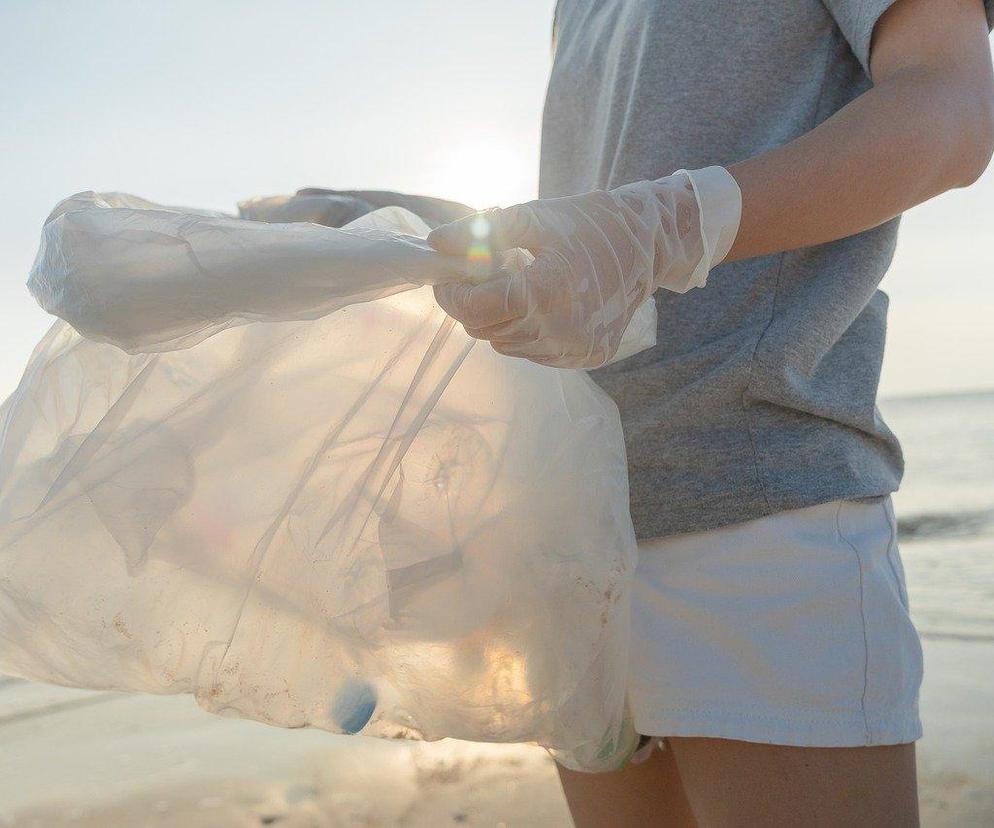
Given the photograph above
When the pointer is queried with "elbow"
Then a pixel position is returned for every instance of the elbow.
(976, 148)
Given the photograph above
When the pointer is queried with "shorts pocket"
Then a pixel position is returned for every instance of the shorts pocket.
(894, 554)
(893, 651)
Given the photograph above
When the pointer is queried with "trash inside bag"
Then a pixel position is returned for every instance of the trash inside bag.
(275, 475)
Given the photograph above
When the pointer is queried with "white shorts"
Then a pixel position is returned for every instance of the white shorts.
(791, 629)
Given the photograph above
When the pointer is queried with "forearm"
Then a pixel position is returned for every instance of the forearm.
(893, 148)
(919, 132)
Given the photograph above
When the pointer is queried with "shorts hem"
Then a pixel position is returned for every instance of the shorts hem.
(790, 731)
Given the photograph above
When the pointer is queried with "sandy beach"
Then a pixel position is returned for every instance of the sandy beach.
(75, 758)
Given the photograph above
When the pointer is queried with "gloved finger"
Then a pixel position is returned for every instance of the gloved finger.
(456, 237)
(502, 229)
(515, 331)
(489, 303)
(538, 348)
(553, 354)
(512, 351)
(543, 353)
(549, 299)
(442, 268)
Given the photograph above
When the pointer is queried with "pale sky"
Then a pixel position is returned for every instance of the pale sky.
(207, 103)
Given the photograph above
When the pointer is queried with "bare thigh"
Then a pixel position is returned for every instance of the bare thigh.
(648, 794)
(730, 783)
(717, 783)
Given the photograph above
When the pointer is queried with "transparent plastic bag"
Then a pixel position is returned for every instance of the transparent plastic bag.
(355, 518)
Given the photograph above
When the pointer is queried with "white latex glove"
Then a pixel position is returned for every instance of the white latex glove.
(598, 256)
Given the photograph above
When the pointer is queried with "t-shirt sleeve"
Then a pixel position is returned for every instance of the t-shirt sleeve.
(857, 18)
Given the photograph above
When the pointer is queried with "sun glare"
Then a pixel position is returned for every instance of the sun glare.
(486, 174)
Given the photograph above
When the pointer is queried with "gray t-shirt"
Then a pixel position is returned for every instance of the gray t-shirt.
(760, 394)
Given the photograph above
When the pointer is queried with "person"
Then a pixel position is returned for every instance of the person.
(773, 656)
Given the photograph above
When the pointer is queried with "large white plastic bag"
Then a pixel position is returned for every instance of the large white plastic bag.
(363, 522)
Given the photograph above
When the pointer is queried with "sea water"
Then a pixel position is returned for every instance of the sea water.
(945, 511)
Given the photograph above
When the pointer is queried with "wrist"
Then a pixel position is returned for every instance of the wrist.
(720, 201)
(718, 209)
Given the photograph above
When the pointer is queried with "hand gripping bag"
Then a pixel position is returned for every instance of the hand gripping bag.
(273, 474)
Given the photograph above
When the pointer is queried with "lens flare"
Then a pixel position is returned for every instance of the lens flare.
(480, 257)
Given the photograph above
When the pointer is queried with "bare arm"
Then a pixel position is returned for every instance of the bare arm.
(925, 127)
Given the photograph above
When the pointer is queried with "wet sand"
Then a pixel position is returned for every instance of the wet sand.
(74, 758)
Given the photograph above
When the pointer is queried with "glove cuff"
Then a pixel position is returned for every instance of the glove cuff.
(719, 201)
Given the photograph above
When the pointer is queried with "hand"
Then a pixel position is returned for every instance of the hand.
(598, 256)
